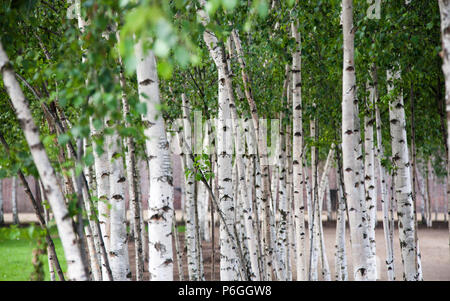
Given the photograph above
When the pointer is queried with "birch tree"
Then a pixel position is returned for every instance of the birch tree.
(369, 184)
(385, 202)
(228, 260)
(444, 7)
(351, 151)
(297, 158)
(76, 268)
(402, 178)
(160, 201)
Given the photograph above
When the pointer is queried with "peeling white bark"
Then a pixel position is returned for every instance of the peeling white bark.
(369, 184)
(351, 150)
(297, 158)
(402, 178)
(229, 260)
(193, 256)
(444, 7)
(385, 201)
(160, 201)
(118, 251)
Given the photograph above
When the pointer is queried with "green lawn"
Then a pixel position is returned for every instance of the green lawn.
(15, 257)
(16, 248)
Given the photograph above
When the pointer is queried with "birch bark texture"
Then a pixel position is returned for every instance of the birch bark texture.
(118, 252)
(444, 8)
(351, 150)
(297, 158)
(193, 254)
(72, 251)
(160, 202)
(133, 182)
(228, 258)
(369, 182)
(402, 180)
(385, 202)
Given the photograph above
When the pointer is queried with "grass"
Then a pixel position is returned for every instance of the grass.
(16, 246)
(15, 255)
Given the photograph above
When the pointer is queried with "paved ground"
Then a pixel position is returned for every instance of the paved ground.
(433, 243)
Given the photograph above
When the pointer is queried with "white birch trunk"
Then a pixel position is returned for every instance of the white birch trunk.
(118, 251)
(291, 227)
(72, 251)
(91, 229)
(297, 158)
(340, 255)
(266, 196)
(444, 7)
(133, 177)
(51, 268)
(323, 184)
(351, 150)
(161, 182)
(402, 178)
(316, 213)
(282, 236)
(369, 185)
(102, 174)
(193, 255)
(245, 190)
(229, 260)
(385, 202)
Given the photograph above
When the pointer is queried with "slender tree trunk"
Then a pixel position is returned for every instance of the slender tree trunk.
(369, 184)
(262, 152)
(72, 251)
(202, 199)
(228, 262)
(51, 259)
(385, 202)
(351, 150)
(315, 214)
(297, 158)
(282, 246)
(192, 239)
(289, 175)
(133, 189)
(161, 182)
(340, 260)
(402, 178)
(238, 131)
(427, 183)
(177, 250)
(444, 7)
(424, 192)
(321, 191)
(414, 175)
(102, 174)
(15, 212)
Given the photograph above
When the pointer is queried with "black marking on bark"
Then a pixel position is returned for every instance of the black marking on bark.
(146, 82)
